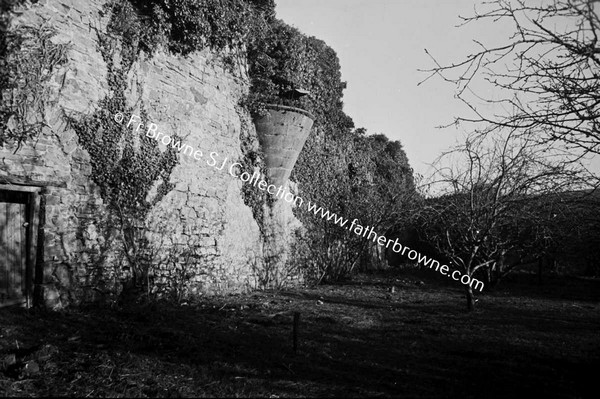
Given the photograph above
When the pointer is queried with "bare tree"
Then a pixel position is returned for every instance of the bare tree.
(480, 213)
(546, 76)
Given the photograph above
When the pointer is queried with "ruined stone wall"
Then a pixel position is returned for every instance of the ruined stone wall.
(206, 239)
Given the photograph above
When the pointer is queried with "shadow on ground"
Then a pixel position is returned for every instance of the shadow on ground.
(357, 339)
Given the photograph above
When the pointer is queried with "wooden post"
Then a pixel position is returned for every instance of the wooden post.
(295, 331)
(33, 215)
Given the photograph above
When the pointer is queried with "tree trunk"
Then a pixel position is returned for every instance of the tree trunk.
(470, 298)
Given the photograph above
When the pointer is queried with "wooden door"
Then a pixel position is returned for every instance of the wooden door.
(13, 247)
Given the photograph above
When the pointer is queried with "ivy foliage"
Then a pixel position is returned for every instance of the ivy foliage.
(279, 58)
(125, 162)
(340, 168)
(356, 177)
(285, 59)
(186, 26)
(253, 197)
(28, 59)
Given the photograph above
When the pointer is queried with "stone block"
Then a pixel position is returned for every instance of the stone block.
(52, 199)
(51, 297)
(62, 274)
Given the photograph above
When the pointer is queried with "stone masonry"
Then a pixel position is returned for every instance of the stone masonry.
(202, 223)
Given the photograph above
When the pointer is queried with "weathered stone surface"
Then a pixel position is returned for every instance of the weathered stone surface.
(203, 223)
(282, 133)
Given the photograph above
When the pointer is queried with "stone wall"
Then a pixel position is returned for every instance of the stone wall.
(206, 239)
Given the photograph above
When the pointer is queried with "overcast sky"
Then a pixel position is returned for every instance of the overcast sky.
(381, 45)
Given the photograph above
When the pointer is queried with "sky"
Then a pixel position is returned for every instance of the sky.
(381, 46)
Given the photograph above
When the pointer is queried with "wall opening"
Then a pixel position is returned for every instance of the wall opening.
(19, 221)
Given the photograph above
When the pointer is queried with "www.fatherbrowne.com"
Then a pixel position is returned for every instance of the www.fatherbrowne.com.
(412, 254)
(366, 232)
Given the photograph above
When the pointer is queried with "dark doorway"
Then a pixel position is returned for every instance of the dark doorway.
(19, 208)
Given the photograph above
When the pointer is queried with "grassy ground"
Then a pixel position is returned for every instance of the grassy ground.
(355, 339)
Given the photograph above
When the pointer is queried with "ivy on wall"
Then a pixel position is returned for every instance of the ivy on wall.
(224, 26)
(126, 164)
(191, 25)
(338, 168)
(252, 159)
(279, 57)
(253, 197)
(28, 59)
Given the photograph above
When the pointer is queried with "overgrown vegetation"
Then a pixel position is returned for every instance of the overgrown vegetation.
(280, 59)
(228, 27)
(186, 26)
(28, 59)
(355, 176)
(340, 168)
(251, 161)
(126, 164)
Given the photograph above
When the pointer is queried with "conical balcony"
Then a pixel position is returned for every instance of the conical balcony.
(282, 133)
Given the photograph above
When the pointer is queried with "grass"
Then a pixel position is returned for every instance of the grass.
(355, 339)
